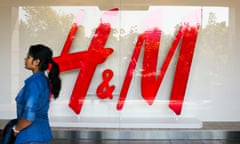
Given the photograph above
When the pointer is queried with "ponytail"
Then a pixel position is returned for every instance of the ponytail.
(54, 79)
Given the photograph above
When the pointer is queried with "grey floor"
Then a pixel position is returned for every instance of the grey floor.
(145, 142)
(89, 141)
(211, 133)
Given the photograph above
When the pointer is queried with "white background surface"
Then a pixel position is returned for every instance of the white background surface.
(212, 92)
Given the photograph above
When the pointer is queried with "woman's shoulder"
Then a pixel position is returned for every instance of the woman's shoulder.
(37, 79)
(36, 76)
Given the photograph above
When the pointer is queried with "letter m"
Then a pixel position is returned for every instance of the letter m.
(185, 40)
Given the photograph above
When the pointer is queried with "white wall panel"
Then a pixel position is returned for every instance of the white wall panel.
(212, 92)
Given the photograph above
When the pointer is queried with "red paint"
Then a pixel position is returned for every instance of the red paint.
(88, 60)
(105, 90)
(183, 68)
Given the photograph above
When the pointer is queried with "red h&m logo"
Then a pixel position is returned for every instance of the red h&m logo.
(149, 42)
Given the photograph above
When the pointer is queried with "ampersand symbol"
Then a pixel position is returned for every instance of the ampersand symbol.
(104, 90)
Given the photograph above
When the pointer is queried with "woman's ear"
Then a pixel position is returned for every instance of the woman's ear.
(36, 62)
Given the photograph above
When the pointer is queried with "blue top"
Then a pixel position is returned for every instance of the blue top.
(33, 104)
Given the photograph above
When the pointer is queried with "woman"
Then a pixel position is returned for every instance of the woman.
(34, 98)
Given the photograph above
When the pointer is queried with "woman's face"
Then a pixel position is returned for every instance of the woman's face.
(31, 64)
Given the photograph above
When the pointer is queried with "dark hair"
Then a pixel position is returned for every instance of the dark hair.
(44, 54)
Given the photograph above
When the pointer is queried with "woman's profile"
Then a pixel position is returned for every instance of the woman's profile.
(33, 99)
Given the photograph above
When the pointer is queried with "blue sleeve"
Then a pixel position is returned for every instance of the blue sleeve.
(31, 98)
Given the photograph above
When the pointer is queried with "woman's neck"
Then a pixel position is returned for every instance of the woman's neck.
(35, 70)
